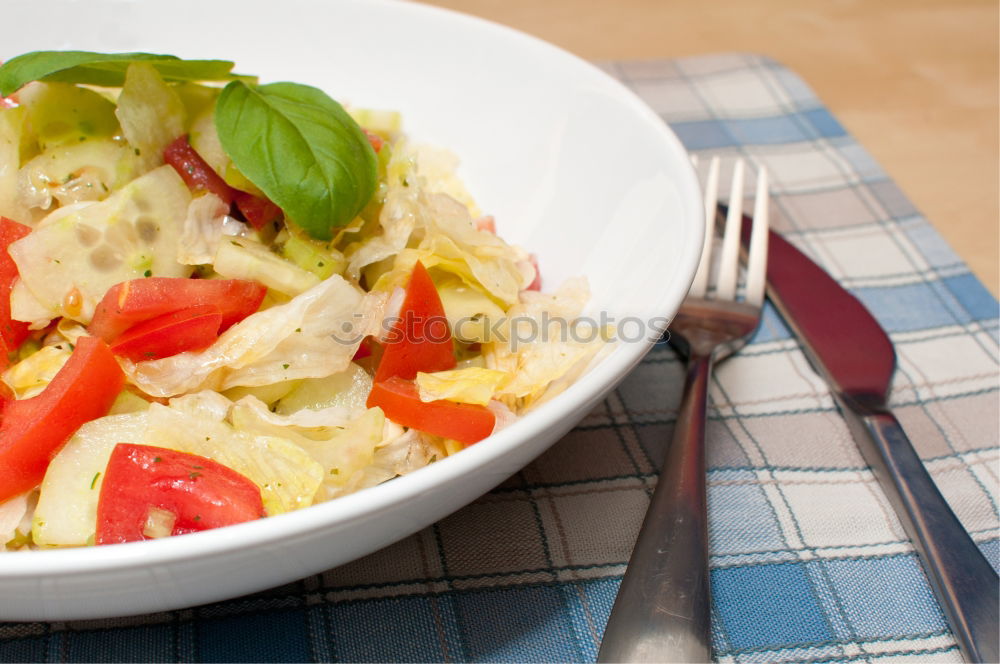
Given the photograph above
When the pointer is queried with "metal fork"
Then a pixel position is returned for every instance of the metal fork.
(662, 610)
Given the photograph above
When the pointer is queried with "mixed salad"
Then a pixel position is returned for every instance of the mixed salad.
(222, 300)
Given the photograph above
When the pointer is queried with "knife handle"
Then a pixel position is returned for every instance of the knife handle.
(662, 610)
(966, 585)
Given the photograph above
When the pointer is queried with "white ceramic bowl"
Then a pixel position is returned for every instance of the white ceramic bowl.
(572, 165)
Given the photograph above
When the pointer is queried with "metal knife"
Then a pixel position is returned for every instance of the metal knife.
(847, 347)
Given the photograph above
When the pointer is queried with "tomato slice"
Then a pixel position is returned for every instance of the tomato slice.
(194, 328)
(200, 493)
(258, 212)
(195, 171)
(132, 302)
(197, 174)
(400, 401)
(364, 349)
(12, 332)
(34, 429)
(421, 339)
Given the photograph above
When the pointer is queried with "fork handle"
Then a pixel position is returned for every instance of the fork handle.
(662, 610)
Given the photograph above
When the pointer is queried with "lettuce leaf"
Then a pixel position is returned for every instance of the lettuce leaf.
(451, 243)
(345, 452)
(286, 474)
(30, 376)
(13, 513)
(468, 385)
(543, 345)
(150, 112)
(205, 225)
(313, 335)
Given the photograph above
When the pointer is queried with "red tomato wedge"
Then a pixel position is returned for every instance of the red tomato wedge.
(364, 349)
(197, 174)
(34, 429)
(195, 328)
(200, 493)
(132, 302)
(400, 401)
(195, 171)
(258, 212)
(12, 332)
(421, 339)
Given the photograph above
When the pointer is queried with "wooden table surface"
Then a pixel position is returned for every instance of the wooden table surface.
(914, 80)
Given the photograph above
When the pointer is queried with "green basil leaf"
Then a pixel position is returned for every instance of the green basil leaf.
(301, 148)
(107, 69)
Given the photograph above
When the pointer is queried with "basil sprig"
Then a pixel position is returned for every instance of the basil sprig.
(301, 148)
(107, 69)
(295, 143)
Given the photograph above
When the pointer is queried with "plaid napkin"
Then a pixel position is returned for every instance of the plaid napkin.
(809, 563)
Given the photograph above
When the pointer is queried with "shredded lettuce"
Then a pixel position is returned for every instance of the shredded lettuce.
(345, 452)
(30, 376)
(467, 385)
(542, 343)
(287, 476)
(313, 335)
(452, 244)
(206, 224)
(151, 114)
(399, 217)
(13, 513)
(428, 216)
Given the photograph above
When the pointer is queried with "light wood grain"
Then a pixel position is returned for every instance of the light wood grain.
(915, 81)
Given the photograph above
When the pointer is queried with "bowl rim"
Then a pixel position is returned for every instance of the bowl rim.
(72, 561)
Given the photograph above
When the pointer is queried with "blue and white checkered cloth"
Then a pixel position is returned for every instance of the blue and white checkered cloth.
(809, 563)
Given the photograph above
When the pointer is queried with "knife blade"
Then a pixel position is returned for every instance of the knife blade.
(849, 349)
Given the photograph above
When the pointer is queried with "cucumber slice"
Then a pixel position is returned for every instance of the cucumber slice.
(240, 258)
(348, 389)
(470, 313)
(11, 124)
(67, 504)
(312, 255)
(61, 113)
(76, 172)
(80, 251)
